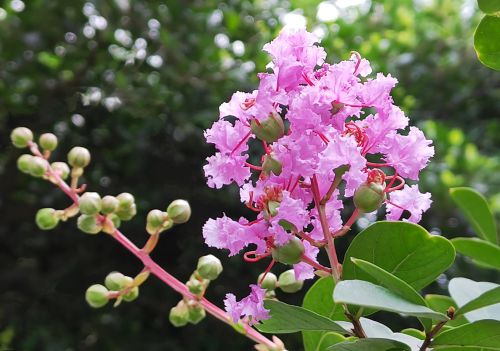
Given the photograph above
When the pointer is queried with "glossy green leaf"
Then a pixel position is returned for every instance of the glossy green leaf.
(414, 332)
(394, 284)
(374, 329)
(485, 334)
(489, 6)
(474, 205)
(481, 251)
(366, 294)
(319, 299)
(370, 344)
(442, 303)
(290, 319)
(469, 294)
(405, 250)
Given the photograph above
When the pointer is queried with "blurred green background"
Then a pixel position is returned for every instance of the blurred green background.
(137, 82)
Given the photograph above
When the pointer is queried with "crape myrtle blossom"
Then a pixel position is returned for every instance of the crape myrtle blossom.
(324, 134)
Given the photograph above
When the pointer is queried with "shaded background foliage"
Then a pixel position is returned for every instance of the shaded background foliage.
(137, 82)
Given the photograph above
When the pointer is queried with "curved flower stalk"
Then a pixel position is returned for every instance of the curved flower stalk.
(326, 134)
(98, 215)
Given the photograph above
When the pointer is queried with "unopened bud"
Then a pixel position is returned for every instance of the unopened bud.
(271, 165)
(97, 296)
(24, 163)
(79, 157)
(179, 315)
(109, 204)
(270, 129)
(61, 168)
(155, 220)
(288, 283)
(115, 281)
(179, 211)
(90, 203)
(132, 294)
(21, 137)
(290, 253)
(209, 267)
(89, 224)
(369, 197)
(196, 312)
(269, 282)
(47, 218)
(38, 166)
(48, 141)
(195, 286)
(126, 206)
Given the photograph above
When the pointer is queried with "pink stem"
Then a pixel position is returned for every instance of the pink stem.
(311, 262)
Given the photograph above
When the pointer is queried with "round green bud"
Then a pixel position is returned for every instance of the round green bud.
(89, 224)
(270, 129)
(288, 283)
(109, 204)
(196, 312)
(115, 281)
(38, 166)
(48, 141)
(155, 221)
(79, 157)
(61, 168)
(179, 315)
(115, 220)
(47, 218)
(21, 137)
(290, 253)
(369, 197)
(90, 203)
(179, 211)
(24, 163)
(132, 294)
(209, 267)
(97, 295)
(128, 213)
(126, 206)
(195, 286)
(125, 200)
(271, 165)
(269, 282)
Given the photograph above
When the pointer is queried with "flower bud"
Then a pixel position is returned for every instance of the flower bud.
(179, 315)
(97, 296)
(61, 168)
(47, 218)
(269, 282)
(288, 283)
(126, 206)
(369, 197)
(109, 204)
(89, 224)
(48, 141)
(196, 312)
(132, 294)
(270, 129)
(195, 286)
(290, 253)
(38, 166)
(79, 157)
(179, 211)
(115, 281)
(115, 220)
(90, 203)
(209, 267)
(21, 137)
(155, 220)
(271, 164)
(24, 163)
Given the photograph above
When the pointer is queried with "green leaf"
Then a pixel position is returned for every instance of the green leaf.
(442, 303)
(485, 333)
(370, 345)
(475, 299)
(394, 284)
(375, 329)
(486, 42)
(414, 332)
(489, 6)
(474, 205)
(488, 298)
(319, 299)
(366, 294)
(290, 319)
(481, 251)
(405, 250)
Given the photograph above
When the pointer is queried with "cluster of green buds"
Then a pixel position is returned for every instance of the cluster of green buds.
(286, 282)
(177, 212)
(190, 310)
(116, 286)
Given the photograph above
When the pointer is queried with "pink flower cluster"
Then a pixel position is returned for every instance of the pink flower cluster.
(310, 118)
